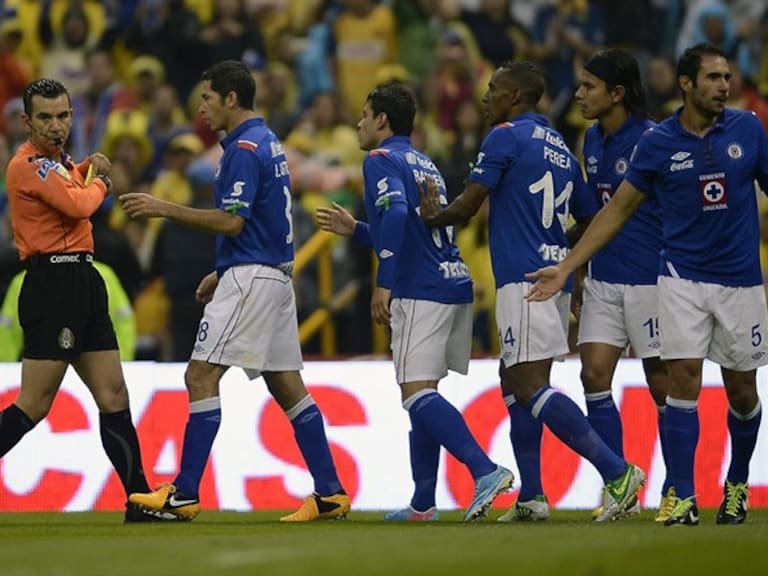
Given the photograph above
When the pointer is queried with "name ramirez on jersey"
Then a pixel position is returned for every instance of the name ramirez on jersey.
(414, 261)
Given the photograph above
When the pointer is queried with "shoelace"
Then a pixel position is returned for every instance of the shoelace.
(733, 498)
(682, 507)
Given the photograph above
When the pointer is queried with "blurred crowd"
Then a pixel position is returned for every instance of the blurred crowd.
(132, 69)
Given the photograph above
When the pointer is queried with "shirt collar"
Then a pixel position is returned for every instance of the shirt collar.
(631, 121)
(682, 131)
(532, 116)
(65, 159)
(240, 129)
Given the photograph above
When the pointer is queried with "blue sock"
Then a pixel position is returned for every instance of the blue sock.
(525, 433)
(425, 459)
(743, 429)
(604, 418)
(664, 451)
(681, 425)
(202, 427)
(446, 425)
(569, 424)
(309, 430)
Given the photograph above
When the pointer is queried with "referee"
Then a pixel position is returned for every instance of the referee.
(63, 301)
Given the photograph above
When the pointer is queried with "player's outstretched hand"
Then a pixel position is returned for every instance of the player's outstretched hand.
(549, 281)
(335, 219)
(206, 288)
(140, 205)
(430, 199)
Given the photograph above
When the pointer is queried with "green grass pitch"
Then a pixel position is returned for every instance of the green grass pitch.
(230, 543)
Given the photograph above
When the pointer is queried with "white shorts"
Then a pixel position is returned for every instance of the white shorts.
(727, 324)
(621, 315)
(530, 331)
(251, 322)
(430, 338)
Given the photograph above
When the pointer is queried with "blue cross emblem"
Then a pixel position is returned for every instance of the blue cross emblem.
(714, 191)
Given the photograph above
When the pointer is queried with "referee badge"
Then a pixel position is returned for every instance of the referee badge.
(66, 339)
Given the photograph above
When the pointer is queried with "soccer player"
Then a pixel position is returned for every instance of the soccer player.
(530, 174)
(700, 164)
(250, 316)
(424, 292)
(620, 300)
(63, 301)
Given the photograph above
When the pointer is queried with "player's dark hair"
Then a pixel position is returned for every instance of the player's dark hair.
(398, 103)
(689, 63)
(620, 68)
(528, 78)
(45, 87)
(232, 76)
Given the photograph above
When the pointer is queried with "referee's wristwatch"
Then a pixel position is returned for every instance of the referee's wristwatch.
(107, 180)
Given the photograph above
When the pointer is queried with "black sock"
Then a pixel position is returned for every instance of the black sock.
(118, 436)
(13, 425)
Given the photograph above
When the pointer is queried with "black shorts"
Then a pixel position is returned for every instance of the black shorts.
(63, 308)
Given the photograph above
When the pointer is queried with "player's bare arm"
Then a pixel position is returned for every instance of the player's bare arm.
(380, 305)
(206, 288)
(336, 219)
(464, 206)
(215, 221)
(605, 225)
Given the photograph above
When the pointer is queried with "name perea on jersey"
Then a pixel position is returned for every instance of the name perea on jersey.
(560, 159)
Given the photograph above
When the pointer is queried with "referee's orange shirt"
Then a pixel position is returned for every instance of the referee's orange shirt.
(50, 204)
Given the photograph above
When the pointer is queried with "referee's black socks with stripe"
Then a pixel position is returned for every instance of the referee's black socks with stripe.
(118, 436)
(14, 423)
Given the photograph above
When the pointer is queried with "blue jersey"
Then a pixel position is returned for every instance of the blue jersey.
(706, 190)
(252, 181)
(632, 257)
(414, 261)
(535, 183)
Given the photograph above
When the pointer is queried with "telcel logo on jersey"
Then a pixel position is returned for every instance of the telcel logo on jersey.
(714, 195)
(560, 159)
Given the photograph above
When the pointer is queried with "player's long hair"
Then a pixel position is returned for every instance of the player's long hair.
(232, 76)
(690, 62)
(45, 87)
(619, 68)
(398, 103)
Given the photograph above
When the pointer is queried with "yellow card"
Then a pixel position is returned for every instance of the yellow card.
(89, 175)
